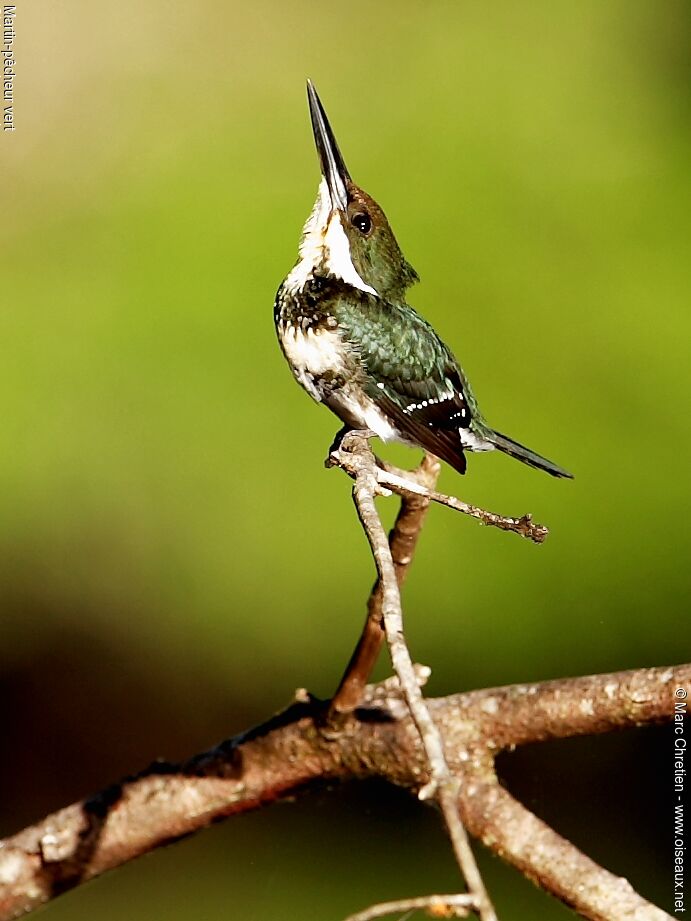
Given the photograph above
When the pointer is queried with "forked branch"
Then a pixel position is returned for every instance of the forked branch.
(289, 753)
(368, 731)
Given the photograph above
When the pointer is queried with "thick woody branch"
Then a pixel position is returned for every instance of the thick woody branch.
(519, 714)
(550, 860)
(290, 753)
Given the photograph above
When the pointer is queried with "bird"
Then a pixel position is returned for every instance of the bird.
(356, 345)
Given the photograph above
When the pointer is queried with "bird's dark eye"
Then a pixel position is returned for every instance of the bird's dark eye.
(362, 221)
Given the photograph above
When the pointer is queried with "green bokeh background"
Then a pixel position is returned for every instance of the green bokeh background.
(174, 559)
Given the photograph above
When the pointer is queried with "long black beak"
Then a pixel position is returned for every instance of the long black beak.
(333, 168)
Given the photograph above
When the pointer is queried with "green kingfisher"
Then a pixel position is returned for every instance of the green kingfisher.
(354, 343)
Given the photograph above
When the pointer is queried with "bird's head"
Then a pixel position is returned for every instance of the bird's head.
(347, 235)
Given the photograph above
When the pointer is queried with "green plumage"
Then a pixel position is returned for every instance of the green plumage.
(398, 348)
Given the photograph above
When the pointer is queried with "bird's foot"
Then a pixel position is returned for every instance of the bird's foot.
(336, 446)
(344, 442)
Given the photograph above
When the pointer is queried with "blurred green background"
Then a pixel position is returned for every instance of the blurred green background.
(174, 559)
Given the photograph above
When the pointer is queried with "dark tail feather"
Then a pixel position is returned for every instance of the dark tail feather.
(521, 453)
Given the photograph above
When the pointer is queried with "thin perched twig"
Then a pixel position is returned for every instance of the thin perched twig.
(390, 480)
(289, 753)
(436, 906)
(442, 785)
(402, 542)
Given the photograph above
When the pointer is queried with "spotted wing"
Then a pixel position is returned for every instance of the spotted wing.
(412, 376)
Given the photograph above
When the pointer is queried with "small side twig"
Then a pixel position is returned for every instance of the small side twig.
(390, 479)
(442, 784)
(436, 906)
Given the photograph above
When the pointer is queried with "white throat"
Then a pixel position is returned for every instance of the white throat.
(324, 243)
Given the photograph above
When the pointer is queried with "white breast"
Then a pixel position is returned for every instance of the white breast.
(312, 353)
